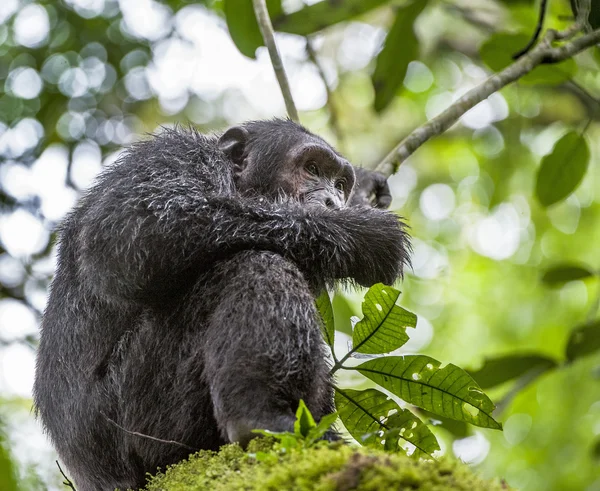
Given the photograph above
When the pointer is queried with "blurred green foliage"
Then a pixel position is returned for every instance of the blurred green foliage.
(503, 282)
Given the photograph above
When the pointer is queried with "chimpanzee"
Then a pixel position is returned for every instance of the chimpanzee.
(182, 314)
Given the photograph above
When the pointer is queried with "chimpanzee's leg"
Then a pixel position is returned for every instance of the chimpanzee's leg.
(263, 348)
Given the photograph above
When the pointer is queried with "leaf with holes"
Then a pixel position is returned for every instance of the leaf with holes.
(563, 273)
(584, 340)
(242, 24)
(383, 327)
(562, 169)
(447, 391)
(496, 371)
(366, 414)
(328, 325)
(318, 16)
(400, 48)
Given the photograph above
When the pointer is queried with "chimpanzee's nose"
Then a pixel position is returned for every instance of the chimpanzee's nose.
(329, 203)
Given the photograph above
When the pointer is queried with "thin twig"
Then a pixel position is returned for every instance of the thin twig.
(266, 29)
(67, 482)
(333, 114)
(537, 32)
(142, 435)
(543, 53)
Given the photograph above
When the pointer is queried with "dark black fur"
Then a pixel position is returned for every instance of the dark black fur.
(183, 306)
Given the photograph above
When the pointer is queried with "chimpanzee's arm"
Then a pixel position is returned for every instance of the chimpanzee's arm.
(145, 228)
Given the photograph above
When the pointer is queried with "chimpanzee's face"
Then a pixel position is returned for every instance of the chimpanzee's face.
(282, 159)
(316, 175)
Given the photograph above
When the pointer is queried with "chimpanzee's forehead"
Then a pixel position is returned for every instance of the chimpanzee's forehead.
(313, 141)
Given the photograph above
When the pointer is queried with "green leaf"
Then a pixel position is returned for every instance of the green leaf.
(562, 169)
(326, 310)
(406, 426)
(447, 391)
(563, 273)
(366, 414)
(383, 327)
(322, 427)
(320, 15)
(496, 371)
(242, 25)
(400, 48)
(497, 54)
(584, 340)
(304, 420)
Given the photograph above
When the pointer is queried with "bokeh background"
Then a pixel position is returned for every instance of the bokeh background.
(81, 78)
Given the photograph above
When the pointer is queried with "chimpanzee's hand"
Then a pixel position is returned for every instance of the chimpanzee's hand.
(371, 189)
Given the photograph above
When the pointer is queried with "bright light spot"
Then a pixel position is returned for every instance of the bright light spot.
(31, 26)
(171, 56)
(493, 109)
(428, 262)
(438, 103)
(472, 450)
(86, 164)
(71, 126)
(95, 71)
(420, 337)
(447, 74)
(516, 428)
(24, 136)
(87, 8)
(308, 89)
(22, 234)
(146, 18)
(418, 77)
(16, 180)
(7, 8)
(437, 201)
(54, 67)
(401, 184)
(488, 141)
(12, 272)
(17, 320)
(17, 364)
(73, 82)
(565, 216)
(137, 84)
(497, 236)
(24, 82)
(359, 45)
(543, 142)
(49, 178)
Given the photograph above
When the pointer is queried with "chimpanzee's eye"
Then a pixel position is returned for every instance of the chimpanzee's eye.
(340, 186)
(312, 168)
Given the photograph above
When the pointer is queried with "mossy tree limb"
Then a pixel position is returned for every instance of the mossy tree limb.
(325, 467)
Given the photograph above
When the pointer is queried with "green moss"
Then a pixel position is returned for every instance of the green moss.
(325, 467)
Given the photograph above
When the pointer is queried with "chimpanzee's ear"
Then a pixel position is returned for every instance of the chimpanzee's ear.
(233, 144)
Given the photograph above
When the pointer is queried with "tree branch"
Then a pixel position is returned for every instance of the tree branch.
(266, 29)
(543, 53)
